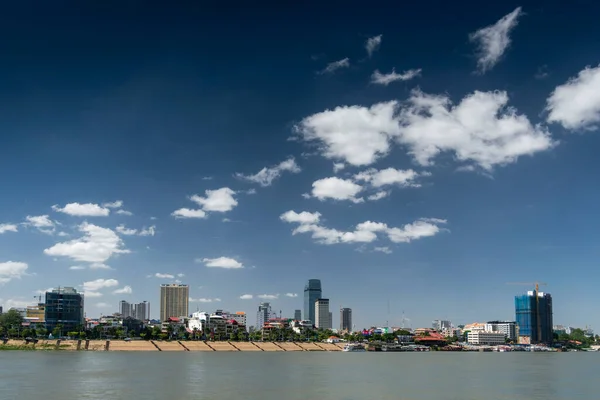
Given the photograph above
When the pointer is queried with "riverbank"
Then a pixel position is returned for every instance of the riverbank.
(157, 345)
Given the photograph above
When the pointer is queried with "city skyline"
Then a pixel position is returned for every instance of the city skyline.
(414, 171)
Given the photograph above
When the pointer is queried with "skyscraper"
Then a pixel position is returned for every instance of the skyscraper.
(534, 316)
(125, 309)
(263, 315)
(64, 308)
(346, 319)
(297, 315)
(141, 311)
(322, 314)
(312, 292)
(174, 301)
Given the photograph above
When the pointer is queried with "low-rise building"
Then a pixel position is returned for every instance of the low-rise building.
(486, 338)
(509, 328)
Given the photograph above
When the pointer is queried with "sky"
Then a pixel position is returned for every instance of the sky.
(417, 163)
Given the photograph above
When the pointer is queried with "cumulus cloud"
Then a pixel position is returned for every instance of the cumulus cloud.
(188, 213)
(367, 232)
(386, 79)
(7, 228)
(222, 262)
(99, 266)
(43, 223)
(378, 196)
(15, 303)
(204, 300)
(76, 267)
(576, 104)
(383, 249)
(291, 294)
(302, 218)
(10, 270)
(246, 297)
(336, 189)
(268, 296)
(337, 167)
(114, 204)
(124, 290)
(219, 200)
(95, 246)
(266, 176)
(389, 176)
(492, 41)
(353, 134)
(124, 212)
(98, 284)
(83, 210)
(123, 230)
(334, 66)
(372, 44)
(164, 276)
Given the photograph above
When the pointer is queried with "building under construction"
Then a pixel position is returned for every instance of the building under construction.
(534, 317)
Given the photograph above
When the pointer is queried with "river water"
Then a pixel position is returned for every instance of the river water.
(297, 376)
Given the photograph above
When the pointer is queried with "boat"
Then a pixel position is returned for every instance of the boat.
(391, 347)
(354, 347)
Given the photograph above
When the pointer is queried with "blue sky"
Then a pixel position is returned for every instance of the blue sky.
(425, 159)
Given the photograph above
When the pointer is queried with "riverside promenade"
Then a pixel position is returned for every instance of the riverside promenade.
(174, 345)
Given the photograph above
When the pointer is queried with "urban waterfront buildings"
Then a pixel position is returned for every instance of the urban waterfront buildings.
(510, 329)
(174, 301)
(486, 338)
(312, 292)
(263, 315)
(64, 309)
(298, 315)
(534, 317)
(141, 311)
(322, 314)
(346, 319)
(125, 309)
(441, 325)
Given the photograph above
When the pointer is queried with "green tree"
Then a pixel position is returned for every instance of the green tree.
(11, 320)
(57, 331)
(170, 330)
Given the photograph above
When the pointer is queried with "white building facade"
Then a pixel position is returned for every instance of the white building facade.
(509, 328)
(486, 338)
(322, 314)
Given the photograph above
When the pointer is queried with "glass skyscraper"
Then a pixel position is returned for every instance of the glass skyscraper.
(312, 292)
(64, 308)
(534, 316)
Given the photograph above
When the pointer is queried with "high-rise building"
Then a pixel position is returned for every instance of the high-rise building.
(534, 316)
(312, 292)
(298, 315)
(263, 315)
(508, 328)
(125, 309)
(346, 319)
(322, 314)
(64, 308)
(141, 311)
(239, 317)
(174, 301)
(440, 325)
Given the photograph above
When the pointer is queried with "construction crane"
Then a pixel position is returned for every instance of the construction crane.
(537, 304)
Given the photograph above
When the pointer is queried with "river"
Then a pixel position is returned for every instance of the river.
(26, 375)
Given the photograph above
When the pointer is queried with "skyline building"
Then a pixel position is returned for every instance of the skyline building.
(346, 319)
(509, 328)
(64, 308)
(322, 314)
(312, 292)
(263, 315)
(125, 309)
(174, 301)
(298, 315)
(141, 311)
(534, 316)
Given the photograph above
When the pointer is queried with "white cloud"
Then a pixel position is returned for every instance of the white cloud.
(378, 196)
(204, 300)
(90, 293)
(164, 276)
(180, 275)
(99, 266)
(366, 232)
(42, 222)
(251, 191)
(8, 228)
(76, 268)
(83, 210)
(102, 305)
(386, 79)
(291, 294)
(15, 303)
(389, 176)
(98, 284)
(353, 134)
(219, 200)
(246, 297)
(492, 41)
(125, 231)
(481, 129)
(114, 204)
(372, 44)
(96, 246)
(124, 212)
(384, 249)
(10, 270)
(148, 231)
(124, 290)
(188, 213)
(576, 103)
(266, 176)
(222, 262)
(337, 167)
(303, 217)
(268, 296)
(334, 66)
(337, 189)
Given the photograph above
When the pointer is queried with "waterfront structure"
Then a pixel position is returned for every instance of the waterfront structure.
(346, 319)
(486, 338)
(263, 315)
(125, 309)
(534, 317)
(36, 315)
(312, 292)
(239, 317)
(141, 311)
(297, 315)
(509, 328)
(174, 301)
(64, 309)
(440, 325)
(322, 314)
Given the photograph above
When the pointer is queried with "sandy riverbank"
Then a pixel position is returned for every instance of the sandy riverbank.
(156, 345)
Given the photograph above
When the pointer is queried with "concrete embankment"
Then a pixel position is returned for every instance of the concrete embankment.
(155, 345)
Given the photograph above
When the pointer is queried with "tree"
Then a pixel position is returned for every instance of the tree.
(170, 330)
(11, 320)
(57, 331)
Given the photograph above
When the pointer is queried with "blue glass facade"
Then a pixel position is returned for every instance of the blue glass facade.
(312, 292)
(534, 316)
(64, 307)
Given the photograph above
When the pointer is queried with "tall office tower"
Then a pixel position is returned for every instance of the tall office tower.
(174, 301)
(312, 292)
(346, 319)
(263, 315)
(322, 314)
(297, 315)
(440, 325)
(534, 316)
(64, 308)
(125, 309)
(141, 311)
